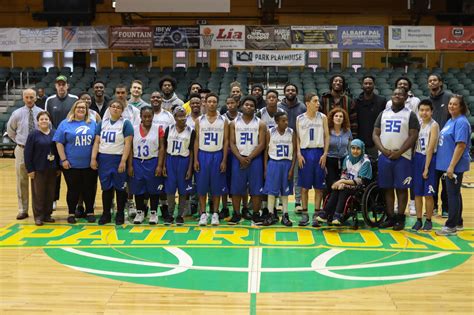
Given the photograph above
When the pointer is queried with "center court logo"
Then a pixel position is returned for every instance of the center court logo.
(245, 259)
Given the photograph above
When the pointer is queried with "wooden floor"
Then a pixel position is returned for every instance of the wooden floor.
(31, 282)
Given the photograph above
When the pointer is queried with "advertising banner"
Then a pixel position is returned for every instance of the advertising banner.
(268, 58)
(8, 39)
(131, 37)
(360, 37)
(267, 37)
(85, 37)
(222, 36)
(314, 37)
(176, 37)
(47, 38)
(455, 37)
(411, 37)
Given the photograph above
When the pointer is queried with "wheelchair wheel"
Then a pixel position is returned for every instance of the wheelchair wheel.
(373, 205)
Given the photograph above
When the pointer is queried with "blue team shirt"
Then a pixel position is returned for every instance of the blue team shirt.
(78, 139)
(127, 128)
(454, 131)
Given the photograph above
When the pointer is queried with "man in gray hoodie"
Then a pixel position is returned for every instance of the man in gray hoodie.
(170, 99)
(293, 108)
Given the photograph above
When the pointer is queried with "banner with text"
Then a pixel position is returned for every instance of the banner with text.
(411, 37)
(360, 37)
(8, 39)
(268, 58)
(267, 37)
(131, 37)
(176, 37)
(85, 37)
(222, 36)
(24, 39)
(455, 37)
(314, 37)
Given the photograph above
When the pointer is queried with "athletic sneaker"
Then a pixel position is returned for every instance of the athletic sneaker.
(119, 218)
(257, 219)
(215, 219)
(412, 208)
(153, 217)
(399, 223)
(275, 218)
(389, 221)
(458, 227)
(203, 219)
(224, 213)
(446, 231)
(337, 221)
(428, 226)
(236, 217)
(168, 220)
(246, 214)
(417, 225)
(322, 216)
(139, 217)
(304, 220)
(268, 220)
(285, 220)
(298, 207)
(90, 218)
(105, 218)
(131, 208)
(71, 219)
(315, 222)
(179, 220)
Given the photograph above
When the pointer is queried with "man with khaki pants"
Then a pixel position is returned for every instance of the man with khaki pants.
(21, 123)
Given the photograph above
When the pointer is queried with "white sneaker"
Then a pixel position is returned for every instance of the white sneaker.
(139, 217)
(203, 219)
(153, 217)
(132, 209)
(215, 219)
(412, 208)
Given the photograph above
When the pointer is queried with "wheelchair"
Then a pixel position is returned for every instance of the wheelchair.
(368, 200)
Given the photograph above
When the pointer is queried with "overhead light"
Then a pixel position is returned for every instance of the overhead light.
(113, 4)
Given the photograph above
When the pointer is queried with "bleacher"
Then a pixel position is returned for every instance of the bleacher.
(459, 81)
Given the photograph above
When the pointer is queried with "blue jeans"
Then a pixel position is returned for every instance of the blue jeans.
(453, 187)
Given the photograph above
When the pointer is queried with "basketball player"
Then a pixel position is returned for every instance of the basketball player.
(210, 158)
(247, 142)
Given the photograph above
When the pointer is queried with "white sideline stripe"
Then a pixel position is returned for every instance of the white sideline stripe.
(255, 264)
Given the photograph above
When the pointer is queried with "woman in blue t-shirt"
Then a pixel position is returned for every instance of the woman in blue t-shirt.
(74, 140)
(453, 159)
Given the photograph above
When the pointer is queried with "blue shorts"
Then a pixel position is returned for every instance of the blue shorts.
(312, 175)
(277, 183)
(251, 177)
(108, 172)
(209, 179)
(421, 186)
(395, 173)
(144, 179)
(176, 169)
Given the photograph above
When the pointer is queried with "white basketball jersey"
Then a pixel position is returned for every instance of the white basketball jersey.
(267, 119)
(178, 142)
(130, 113)
(190, 121)
(281, 145)
(246, 135)
(211, 135)
(394, 129)
(112, 140)
(164, 119)
(352, 170)
(310, 131)
(424, 137)
(147, 147)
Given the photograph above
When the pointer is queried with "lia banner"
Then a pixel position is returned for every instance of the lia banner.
(360, 37)
(455, 37)
(176, 37)
(85, 37)
(131, 37)
(222, 36)
(267, 37)
(268, 58)
(411, 37)
(314, 37)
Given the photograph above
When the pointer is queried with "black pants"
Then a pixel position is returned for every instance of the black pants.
(334, 168)
(108, 196)
(444, 194)
(80, 182)
(337, 201)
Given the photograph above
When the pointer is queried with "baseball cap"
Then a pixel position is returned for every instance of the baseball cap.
(61, 78)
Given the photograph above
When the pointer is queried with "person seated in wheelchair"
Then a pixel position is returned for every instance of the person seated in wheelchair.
(356, 172)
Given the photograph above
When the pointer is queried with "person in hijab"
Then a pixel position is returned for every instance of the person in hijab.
(356, 170)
